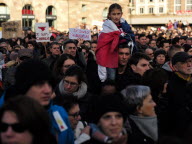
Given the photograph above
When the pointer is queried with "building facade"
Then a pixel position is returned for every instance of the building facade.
(159, 12)
(65, 14)
(60, 14)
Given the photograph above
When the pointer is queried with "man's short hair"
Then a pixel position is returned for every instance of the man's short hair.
(94, 42)
(54, 43)
(124, 46)
(69, 41)
(94, 35)
(149, 37)
(173, 50)
(141, 35)
(163, 42)
(190, 38)
(151, 40)
(184, 37)
(136, 57)
(175, 40)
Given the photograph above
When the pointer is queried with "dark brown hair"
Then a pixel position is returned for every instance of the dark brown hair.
(112, 7)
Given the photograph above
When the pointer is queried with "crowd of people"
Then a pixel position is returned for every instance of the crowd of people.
(124, 86)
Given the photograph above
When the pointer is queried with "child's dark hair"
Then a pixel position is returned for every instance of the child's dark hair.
(112, 7)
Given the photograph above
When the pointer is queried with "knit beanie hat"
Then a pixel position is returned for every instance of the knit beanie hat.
(108, 103)
(32, 72)
(158, 52)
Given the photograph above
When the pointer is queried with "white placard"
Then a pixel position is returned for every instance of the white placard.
(79, 33)
(42, 32)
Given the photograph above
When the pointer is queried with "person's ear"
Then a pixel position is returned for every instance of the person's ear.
(139, 110)
(175, 68)
(133, 67)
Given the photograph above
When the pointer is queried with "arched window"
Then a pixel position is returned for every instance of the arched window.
(105, 13)
(51, 16)
(27, 17)
(4, 13)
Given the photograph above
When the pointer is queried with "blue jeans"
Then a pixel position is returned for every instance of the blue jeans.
(111, 73)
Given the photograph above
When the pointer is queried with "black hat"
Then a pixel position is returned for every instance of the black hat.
(180, 57)
(32, 72)
(109, 103)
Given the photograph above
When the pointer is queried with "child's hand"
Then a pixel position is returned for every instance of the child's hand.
(86, 130)
(123, 34)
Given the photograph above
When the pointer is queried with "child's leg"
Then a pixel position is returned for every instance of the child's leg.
(102, 72)
(111, 73)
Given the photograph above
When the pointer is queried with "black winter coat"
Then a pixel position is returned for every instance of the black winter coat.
(135, 136)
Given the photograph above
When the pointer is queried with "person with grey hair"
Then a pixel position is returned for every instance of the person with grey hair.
(142, 117)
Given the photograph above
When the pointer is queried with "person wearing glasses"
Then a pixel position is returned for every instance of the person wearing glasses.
(34, 79)
(74, 83)
(24, 121)
(71, 105)
(150, 53)
(61, 66)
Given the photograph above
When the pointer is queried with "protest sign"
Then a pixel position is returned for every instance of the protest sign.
(42, 32)
(79, 33)
(11, 29)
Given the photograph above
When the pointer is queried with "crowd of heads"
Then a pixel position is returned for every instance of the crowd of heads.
(64, 72)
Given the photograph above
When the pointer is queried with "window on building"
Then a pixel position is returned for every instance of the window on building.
(160, 9)
(28, 17)
(4, 13)
(150, 0)
(177, 8)
(141, 10)
(189, 5)
(177, 5)
(51, 16)
(177, 1)
(150, 10)
(189, 1)
(104, 15)
(84, 7)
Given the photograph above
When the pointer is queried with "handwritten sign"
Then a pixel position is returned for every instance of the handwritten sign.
(11, 29)
(42, 32)
(79, 33)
